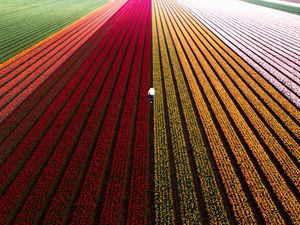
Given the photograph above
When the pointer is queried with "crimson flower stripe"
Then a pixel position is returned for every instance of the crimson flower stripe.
(138, 201)
(65, 191)
(104, 144)
(113, 208)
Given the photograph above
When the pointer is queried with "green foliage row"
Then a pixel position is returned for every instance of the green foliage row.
(282, 7)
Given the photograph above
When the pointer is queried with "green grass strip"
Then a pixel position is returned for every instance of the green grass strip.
(23, 23)
(278, 6)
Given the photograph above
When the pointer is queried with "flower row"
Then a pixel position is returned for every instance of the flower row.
(116, 194)
(164, 209)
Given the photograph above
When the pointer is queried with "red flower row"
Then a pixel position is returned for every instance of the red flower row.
(64, 197)
(19, 157)
(112, 207)
(68, 138)
(90, 192)
(138, 199)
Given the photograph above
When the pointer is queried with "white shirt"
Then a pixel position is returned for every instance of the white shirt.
(151, 91)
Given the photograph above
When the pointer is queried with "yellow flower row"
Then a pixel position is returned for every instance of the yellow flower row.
(179, 33)
(186, 190)
(211, 193)
(233, 188)
(164, 210)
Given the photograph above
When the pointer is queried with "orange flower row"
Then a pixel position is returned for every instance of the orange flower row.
(276, 180)
(248, 132)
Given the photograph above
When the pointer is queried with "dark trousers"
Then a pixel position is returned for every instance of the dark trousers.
(151, 98)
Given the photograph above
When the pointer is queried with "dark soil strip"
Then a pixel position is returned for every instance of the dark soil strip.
(151, 161)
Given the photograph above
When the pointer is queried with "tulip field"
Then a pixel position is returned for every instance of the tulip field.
(81, 144)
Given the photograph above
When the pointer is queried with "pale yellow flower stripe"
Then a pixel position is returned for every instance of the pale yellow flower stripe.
(238, 198)
(163, 188)
(186, 189)
(212, 196)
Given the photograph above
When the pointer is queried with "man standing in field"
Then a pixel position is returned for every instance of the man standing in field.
(151, 93)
